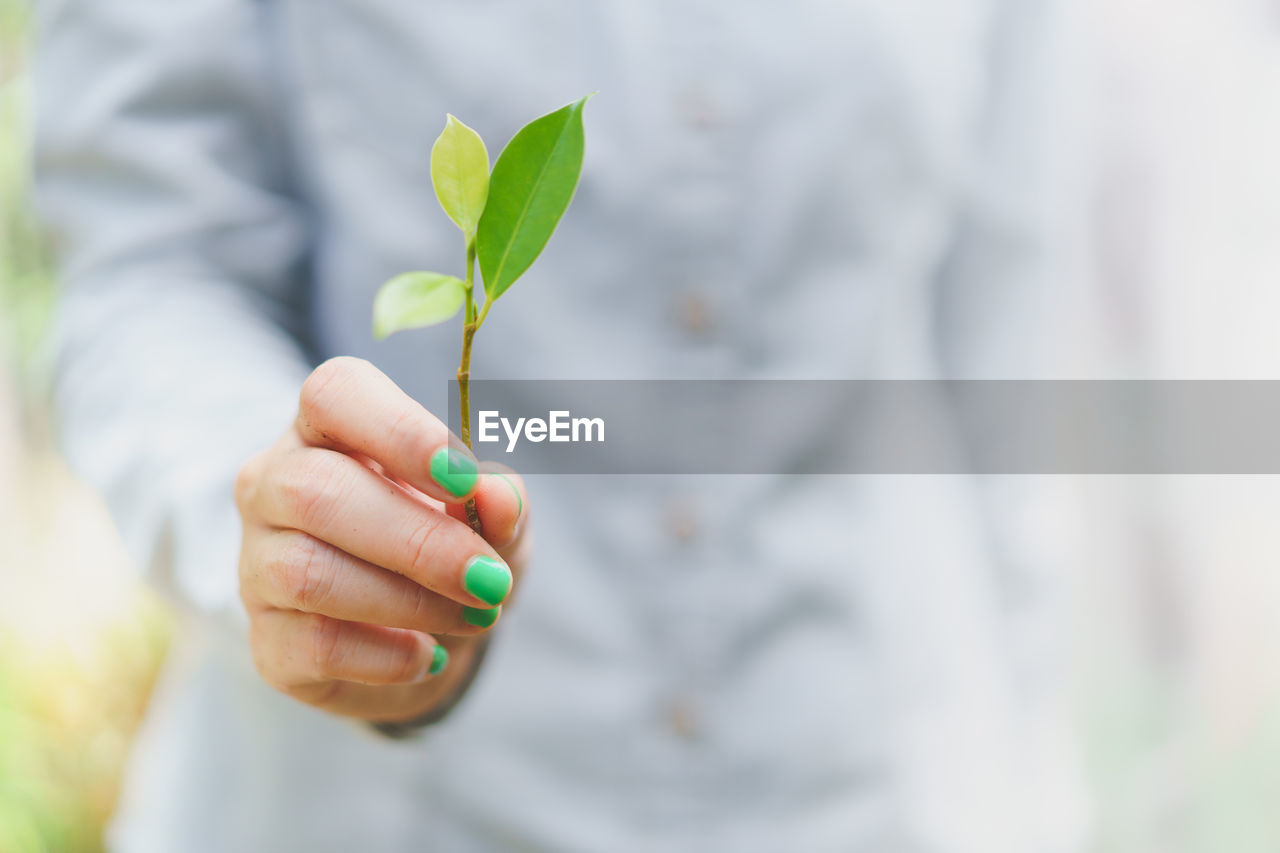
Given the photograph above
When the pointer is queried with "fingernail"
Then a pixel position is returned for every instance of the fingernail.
(439, 657)
(481, 617)
(519, 498)
(487, 579)
(454, 470)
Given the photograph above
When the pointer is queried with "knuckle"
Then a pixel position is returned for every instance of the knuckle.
(303, 574)
(326, 382)
(406, 661)
(409, 434)
(306, 483)
(326, 645)
(421, 546)
(418, 604)
(246, 482)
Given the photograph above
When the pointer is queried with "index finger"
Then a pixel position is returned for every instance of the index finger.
(347, 404)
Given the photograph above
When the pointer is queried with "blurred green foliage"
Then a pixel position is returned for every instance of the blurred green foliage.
(66, 715)
(67, 708)
(26, 288)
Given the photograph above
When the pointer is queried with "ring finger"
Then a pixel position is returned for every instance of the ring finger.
(295, 571)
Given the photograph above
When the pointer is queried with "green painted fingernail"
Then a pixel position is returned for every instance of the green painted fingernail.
(439, 657)
(487, 579)
(481, 617)
(519, 499)
(454, 470)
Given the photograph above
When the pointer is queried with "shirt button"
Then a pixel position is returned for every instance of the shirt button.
(682, 718)
(698, 109)
(680, 521)
(692, 313)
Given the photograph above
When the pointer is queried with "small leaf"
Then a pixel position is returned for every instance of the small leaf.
(416, 299)
(460, 173)
(529, 190)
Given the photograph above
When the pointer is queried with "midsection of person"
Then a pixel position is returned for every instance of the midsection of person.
(765, 189)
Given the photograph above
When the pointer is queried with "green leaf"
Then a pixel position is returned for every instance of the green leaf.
(532, 184)
(460, 173)
(416, 299)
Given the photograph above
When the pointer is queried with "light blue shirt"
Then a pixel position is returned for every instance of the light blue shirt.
(784, 190)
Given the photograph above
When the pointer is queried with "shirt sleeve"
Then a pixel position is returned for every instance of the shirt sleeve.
(161, 175)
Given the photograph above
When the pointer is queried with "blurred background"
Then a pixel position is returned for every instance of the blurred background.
(1177, 635)
(80, 640)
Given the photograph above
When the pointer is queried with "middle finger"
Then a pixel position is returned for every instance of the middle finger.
(337, 500)
(294, 570)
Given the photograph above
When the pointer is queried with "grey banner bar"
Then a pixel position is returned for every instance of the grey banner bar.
(876, 427)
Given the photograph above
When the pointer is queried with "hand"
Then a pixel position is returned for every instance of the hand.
(366, 590)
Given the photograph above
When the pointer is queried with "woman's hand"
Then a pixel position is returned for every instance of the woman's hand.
(366, 590)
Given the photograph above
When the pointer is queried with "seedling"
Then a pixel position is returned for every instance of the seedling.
(506, 218)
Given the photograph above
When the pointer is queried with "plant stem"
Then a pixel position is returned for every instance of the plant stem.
(469, 327)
